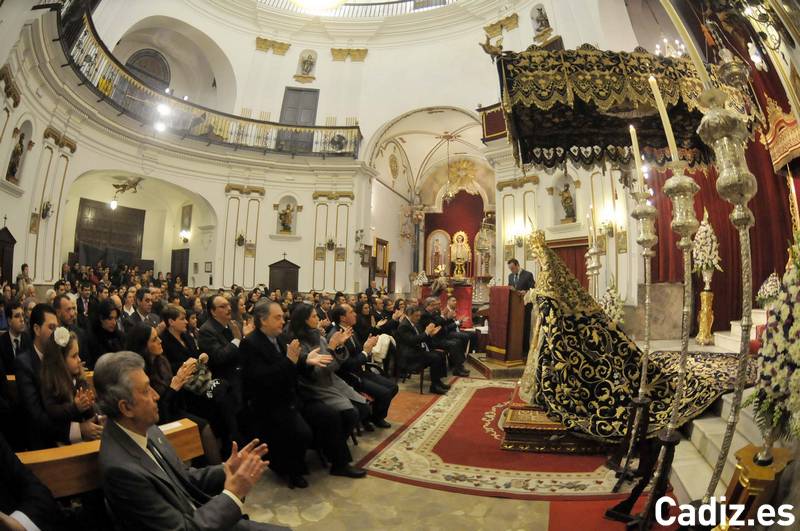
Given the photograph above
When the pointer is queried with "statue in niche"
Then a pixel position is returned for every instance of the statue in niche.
(568, 203)
(307, 65)
(460, 255)
(16, 159)
(436, 255)
(542, 22)
(285, 217)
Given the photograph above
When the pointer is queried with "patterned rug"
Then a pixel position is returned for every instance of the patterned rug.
(454, 445)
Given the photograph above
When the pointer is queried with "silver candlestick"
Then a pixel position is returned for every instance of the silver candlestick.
(726, 134)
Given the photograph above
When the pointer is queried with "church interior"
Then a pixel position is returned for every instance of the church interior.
(449, 264)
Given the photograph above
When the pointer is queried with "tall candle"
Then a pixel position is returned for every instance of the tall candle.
(689, 42)
(637, 157)
(662, 111)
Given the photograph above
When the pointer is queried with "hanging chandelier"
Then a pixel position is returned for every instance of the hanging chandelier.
(450, 189)
(673, 50)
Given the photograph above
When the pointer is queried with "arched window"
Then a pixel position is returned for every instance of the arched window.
(151, 67)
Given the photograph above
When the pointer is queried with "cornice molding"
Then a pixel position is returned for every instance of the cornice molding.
(332, 195)
(496, 29)
(9, 85)
(245, 189)
(277, 47)
(356, 55)
(60, 139)
(518, 182)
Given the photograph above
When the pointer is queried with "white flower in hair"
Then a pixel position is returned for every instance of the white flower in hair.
(61, 336)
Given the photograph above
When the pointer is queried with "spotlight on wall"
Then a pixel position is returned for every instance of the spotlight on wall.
(160, 127)
(184, 235)
(113, 204)
(163, 109)
(168, 90)
(186, 98)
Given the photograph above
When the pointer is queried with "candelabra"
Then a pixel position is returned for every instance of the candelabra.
(681, 190)
(638, 417)
(593, 267)
(726, 134)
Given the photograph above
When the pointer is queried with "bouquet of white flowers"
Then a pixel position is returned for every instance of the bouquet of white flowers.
(421, 279)
(769, 290)
(611, 303)
(777, 396)
(705, 251)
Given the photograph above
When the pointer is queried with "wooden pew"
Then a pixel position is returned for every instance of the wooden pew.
(12, 383)
(74, 469)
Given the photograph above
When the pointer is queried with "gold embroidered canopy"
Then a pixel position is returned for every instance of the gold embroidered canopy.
(579, 103)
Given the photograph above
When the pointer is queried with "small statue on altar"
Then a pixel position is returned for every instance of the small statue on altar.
(285, 218)
(460, 255)
(16, 158)
(568, 204)
(436, 255)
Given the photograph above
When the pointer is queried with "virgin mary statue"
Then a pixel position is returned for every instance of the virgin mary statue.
(583, 370)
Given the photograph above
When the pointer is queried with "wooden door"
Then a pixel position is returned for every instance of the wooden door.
(180, 265)
(7, 242)
(299, 108)
(284, 275)
(390, 282)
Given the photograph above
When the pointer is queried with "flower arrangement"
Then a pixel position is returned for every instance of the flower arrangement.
(421, 279)
(611, 303)
(769, 290)
(705, 251)
(776, 399)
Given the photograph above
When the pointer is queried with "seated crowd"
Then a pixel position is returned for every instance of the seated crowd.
(297, 372)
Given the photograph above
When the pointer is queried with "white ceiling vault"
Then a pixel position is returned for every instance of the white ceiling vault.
(412, 153)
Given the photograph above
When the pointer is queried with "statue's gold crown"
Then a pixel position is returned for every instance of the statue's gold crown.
(536, 238)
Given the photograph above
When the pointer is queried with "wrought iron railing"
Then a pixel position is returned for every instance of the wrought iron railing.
(362, 10)
(116, 85)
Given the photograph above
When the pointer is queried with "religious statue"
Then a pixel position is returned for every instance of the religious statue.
(16, 158)
(307, 64)
(568, 203)
(436, 255)
(583, 370)
(285, 217)
(542, 22)
(460, 255)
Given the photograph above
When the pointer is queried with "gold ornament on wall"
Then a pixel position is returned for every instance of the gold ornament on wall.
(277, 47)
(394, 166)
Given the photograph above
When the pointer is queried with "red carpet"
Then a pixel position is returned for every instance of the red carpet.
(471, 441)
(454, 445)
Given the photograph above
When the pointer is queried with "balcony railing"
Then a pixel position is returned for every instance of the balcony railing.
(113, 83)
(362, 10)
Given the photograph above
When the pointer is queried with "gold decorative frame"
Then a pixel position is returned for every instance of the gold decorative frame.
(381, 257)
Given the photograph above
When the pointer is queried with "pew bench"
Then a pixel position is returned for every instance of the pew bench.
(74, 469)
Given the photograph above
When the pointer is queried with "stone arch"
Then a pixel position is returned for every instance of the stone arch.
(199, 67)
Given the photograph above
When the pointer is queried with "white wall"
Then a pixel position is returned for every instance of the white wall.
(386, 222)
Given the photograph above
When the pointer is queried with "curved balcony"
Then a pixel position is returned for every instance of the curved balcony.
(114, 84)
(362, 10)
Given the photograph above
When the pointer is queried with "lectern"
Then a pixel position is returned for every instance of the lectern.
(506, 325)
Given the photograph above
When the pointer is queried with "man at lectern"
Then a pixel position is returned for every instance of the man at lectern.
(522, 280)
(519, 279)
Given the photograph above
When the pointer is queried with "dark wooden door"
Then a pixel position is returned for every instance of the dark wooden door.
(7, 242)
(284, 275)
(180, 264)
(390, 282)
(299, 108)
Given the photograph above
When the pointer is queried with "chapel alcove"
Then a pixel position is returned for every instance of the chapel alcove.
(463, 213)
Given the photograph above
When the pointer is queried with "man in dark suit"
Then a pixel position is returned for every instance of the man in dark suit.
(414, 350)
(446, 338)
(519, 279)
(144, 311)
(353, 357)
(67, 314)
(522, 280)
(85, 305)
(15, 341)
(219, 337)
(42, 430)
(144, 481)
(25, 503)
(269, 387)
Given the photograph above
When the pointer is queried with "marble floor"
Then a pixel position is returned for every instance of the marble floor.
(335, 503)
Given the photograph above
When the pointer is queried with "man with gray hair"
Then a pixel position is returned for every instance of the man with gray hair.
(144, 481)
